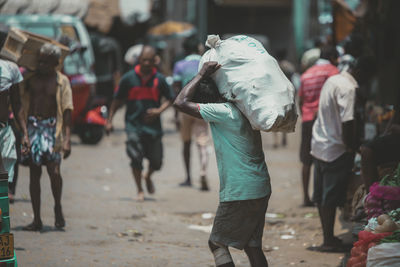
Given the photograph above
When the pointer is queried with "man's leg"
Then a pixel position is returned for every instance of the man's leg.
(134, 149)
(256, 256)
(284, 139)
(186, 159)
(328, 215)
(221, 254)
(153, 151)
(35, 172)
(53, 169)
(149, 182)
(276, 140)
(369, 171)
(137, 175)
(306, 160)
(187, 123)
(203, 155)
(306, 181)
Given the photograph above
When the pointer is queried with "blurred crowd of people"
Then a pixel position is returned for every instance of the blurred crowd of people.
(329, 83)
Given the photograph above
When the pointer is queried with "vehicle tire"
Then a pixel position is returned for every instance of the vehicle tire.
(91, 134)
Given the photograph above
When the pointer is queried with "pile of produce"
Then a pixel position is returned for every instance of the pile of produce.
(383, 197)
(379, 243)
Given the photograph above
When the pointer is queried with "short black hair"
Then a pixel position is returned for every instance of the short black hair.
(328, 52)
(191, 45)
(207, 92)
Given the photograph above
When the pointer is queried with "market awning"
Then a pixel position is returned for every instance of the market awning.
(172, 29)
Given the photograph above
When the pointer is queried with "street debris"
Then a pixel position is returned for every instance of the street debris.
(287, 237)
(274, 215)
(207, 216)
(204, 228)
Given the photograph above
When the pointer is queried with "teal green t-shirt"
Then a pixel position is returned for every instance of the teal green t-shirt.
(241, 164)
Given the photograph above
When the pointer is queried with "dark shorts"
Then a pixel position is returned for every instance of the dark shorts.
(144, 146)
(305, 147)
(240, 223)
(331, 180)
(386, 148)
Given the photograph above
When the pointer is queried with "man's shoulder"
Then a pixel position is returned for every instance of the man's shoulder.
(339, 80)
(130, 75)
(8, 63)
(62, 76)
(159, 76)
(336, 79)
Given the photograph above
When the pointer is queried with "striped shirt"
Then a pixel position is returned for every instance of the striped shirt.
(311, 84)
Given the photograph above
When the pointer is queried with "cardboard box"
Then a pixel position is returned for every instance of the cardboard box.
(14, 45)
(32, 47)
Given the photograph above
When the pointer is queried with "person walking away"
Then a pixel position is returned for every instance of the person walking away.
(142, 89)
(10, 77)
(311, 84)
(47, 96)
(244, 180)
(334, 144)
(184, 71)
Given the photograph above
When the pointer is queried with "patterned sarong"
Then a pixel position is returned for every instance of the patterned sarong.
(42, 136)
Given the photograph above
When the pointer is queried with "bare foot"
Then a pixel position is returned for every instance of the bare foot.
(140, 197)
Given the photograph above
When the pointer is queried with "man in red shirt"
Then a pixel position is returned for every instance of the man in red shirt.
(311, 84)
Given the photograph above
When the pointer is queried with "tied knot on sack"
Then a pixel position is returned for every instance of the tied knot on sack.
(213, 41)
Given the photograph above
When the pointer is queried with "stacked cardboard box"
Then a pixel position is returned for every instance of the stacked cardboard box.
(14, 45)
(23, 48)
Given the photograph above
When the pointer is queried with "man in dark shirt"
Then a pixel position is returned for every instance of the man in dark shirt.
(141, 89)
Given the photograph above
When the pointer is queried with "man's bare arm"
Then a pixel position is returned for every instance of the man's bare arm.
(115, 105)
(349, 135)
(19, 114)
(183, 101)
(67, 133)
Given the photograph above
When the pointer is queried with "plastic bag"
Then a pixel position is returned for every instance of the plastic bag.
(366, 240)
(252, 79)
(384, 255)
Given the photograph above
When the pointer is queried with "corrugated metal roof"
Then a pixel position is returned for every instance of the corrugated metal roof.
(14, 6)
(77, 8)
(67, 7)
(40, 6)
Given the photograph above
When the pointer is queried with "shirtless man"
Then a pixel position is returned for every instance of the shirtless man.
(47, 96)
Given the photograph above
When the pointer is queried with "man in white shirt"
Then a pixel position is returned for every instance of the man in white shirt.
(333, 145)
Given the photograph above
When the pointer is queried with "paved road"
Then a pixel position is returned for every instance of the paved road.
(107, 227)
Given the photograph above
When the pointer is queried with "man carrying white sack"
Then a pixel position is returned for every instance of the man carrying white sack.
(244, 180)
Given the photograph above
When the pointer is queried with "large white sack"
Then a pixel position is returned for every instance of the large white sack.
(252, 79)
(384, 255)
